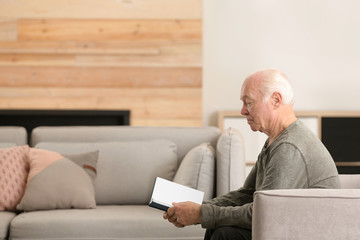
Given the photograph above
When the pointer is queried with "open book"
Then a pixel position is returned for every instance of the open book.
(166, 192)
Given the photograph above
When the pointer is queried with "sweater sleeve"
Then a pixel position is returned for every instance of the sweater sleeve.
(213, 216)
(284, 168)
(231, 209)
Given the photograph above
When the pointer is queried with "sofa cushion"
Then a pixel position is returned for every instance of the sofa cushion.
(56, 182)
(5, 220)
(14, 169)
(15, 135)
(197, 169)
(185, 138)
(350, 181)
(126, 170)
(104, 222)
(230, 157)
(7, 145)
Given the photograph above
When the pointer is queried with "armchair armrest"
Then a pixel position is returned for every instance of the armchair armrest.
(315, 214)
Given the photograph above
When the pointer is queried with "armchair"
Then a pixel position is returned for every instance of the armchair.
(315, 214)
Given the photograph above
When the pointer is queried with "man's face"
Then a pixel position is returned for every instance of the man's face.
(254, 109)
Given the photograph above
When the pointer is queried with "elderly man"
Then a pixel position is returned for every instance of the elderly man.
(292, 157)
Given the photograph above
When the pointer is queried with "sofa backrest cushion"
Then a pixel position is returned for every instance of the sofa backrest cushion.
(13, 135)
(197, 170)
(7, 145)
(350, 181)
(185, 138)
(230, 161)
(126, 171)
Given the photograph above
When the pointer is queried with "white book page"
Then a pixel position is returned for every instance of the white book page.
(167, 192)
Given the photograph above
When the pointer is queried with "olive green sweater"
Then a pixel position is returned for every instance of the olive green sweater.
(296, 159)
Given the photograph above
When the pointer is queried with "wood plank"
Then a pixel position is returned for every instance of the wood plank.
(168, 54)
(100, 92)
(103, 9)
(69, 60)
(8, 29)
(36, 60)
(103, 48)
(108, 30)
(151, 108)
(130, 77)
(174, 60)
(75, 48)
(146, 103)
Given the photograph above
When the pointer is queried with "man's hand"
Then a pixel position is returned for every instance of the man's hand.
(171, 217)
(183, 214)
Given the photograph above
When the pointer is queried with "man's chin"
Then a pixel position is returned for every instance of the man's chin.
(253, 127)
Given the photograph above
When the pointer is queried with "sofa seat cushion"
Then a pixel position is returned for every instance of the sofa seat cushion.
(5, 220)
(104, 222)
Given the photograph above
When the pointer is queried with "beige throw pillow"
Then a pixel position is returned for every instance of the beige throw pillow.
(56, 182)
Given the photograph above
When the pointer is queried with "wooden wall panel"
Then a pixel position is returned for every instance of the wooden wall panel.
(144, 56)
(103, 9)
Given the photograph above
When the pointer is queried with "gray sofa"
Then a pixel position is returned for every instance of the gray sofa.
(129, 159)
(278, 214)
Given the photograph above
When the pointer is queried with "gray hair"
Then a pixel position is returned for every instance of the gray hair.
(275, 81)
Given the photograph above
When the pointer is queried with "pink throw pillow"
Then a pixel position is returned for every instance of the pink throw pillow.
(14, 170)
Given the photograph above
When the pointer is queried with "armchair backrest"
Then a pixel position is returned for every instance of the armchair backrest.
(350, 181)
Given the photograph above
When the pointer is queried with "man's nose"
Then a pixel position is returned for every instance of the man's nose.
(244, 110)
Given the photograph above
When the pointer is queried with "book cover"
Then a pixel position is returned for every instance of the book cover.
(166, 192)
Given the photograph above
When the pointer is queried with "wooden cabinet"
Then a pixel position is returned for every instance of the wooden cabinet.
(338, 130)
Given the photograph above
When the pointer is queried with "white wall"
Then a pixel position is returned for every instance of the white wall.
(316, 43)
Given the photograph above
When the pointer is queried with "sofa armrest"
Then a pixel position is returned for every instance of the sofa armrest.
(306, 214)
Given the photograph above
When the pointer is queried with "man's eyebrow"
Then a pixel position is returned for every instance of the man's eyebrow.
(245, 97)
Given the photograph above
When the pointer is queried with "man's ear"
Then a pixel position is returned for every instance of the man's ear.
(276, 100)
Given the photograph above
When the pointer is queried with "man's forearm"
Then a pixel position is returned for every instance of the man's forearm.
(213, 216)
